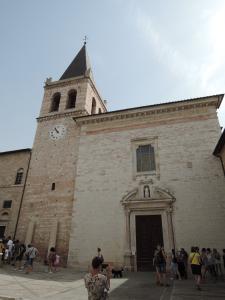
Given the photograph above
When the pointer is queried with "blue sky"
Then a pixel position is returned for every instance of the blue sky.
(142, 52)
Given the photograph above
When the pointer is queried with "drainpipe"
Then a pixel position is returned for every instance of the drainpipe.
(222, 164)
(21, 200)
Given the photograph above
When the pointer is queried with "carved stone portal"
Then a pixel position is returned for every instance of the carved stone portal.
(143, 201)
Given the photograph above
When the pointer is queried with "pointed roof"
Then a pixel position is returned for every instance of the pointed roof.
(80, 66)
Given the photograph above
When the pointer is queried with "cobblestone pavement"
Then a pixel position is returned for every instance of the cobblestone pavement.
(68, 284)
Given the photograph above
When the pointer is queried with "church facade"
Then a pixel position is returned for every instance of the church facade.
(123, 180)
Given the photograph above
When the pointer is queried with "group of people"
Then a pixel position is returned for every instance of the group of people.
(206, 262)
(21, 257)
(176, 264)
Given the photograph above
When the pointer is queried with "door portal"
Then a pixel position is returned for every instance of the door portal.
(148, 236)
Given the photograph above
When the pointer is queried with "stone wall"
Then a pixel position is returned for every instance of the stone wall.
(10, 163)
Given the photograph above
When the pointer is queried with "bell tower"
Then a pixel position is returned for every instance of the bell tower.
(75, 91)
(45, 218)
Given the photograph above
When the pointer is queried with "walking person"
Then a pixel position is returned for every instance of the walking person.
(195, 262)
(95, 282)
(31, 253)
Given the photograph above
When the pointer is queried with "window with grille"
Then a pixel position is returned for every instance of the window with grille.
(145, 157)
(19, 176)
(7, 204)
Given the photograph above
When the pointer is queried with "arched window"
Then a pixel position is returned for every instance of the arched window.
(71, 101)
(55, 102)
(93, 107)
(99, 111)
(19, 176)
(5, 214)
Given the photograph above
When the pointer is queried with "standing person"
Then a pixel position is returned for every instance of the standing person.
(99, 255)
(160, 264)
(16, 250)
(19, 257)
(96, 283)
(30, 253)
(184, 257)
(10, 248)
(211, 264)
(157, 274)
(217, 258)
(51, 259)
(174, 265)
(204, 259)
(224, 258)
(2, 250)
(181, 264)
(6, 255)
(195, 262)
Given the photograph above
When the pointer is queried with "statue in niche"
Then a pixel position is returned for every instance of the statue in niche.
(146, 191)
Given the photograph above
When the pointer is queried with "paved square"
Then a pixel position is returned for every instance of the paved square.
(68, 284)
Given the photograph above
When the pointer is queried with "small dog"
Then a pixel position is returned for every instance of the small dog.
(117, 273)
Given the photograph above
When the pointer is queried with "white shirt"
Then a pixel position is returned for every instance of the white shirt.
(10, 245)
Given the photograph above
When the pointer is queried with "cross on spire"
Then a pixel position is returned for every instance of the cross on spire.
(85, 40)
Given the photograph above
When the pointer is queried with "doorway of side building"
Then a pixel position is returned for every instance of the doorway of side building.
(148, 235)
(2, 231)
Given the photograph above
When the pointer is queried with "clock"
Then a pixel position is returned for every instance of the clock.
(57, 132)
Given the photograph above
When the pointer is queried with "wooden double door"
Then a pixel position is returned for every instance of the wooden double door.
(148, 235)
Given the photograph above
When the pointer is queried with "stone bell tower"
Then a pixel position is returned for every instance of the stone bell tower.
(45, 218)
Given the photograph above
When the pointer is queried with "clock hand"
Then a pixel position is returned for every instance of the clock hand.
(56, 130)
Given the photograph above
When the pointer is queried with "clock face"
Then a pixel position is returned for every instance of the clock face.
(57, 132)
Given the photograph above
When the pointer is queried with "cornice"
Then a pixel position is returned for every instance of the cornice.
(55, 116)
(143, 112)
(65, 82)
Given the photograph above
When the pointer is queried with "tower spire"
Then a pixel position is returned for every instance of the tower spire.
(80, 66)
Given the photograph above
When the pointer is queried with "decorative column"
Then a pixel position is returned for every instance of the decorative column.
(127, 254)
(30, 232)
(53, 234)
(170, 227)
